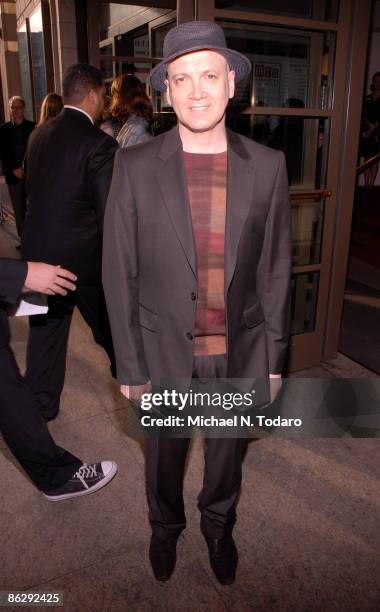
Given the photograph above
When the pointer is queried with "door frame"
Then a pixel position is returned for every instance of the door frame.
(309, 349)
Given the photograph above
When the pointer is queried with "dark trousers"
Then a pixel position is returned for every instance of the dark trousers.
(18, 199)
(26, 432)
(165, 468)
(48, 339)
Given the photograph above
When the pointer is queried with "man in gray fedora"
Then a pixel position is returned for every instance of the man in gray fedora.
(196, 271)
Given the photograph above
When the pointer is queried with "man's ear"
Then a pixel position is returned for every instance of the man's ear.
(231, 83)
(167, 93)
(92, 96)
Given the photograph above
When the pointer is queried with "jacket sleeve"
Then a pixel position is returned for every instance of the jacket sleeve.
(274, 270)
(32, 127)
(12, 277)
(99, 175)
(121, 276)
(134, 131)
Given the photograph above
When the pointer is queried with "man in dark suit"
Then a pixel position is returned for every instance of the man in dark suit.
(56, 472)
(69, 169)
(14, 137)
(196, 271)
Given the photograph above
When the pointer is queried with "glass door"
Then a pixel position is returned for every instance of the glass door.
(131, 42)
(30, 36)
(291, 101)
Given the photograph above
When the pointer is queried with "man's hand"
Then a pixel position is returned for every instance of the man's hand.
(275, 384)
(18, 172)
(135, 393)
(48, 279)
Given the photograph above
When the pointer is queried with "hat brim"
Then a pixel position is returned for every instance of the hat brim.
(237, 62)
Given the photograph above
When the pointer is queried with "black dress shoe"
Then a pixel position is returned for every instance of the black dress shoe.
(223, 558)
(163, 557)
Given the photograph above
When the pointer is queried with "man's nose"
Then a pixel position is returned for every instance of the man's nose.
(197, 89)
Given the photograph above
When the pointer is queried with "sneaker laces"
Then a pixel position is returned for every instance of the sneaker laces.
(86, 471)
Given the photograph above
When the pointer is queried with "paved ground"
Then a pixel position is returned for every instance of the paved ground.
(307, 533)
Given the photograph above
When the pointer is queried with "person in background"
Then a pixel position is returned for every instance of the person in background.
(51, 107)
(14, 136)
(69, 169)
(369, 131)
(130, 112)
(56, 472)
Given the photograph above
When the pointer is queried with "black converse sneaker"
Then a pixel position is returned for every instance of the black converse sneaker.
(89, 478)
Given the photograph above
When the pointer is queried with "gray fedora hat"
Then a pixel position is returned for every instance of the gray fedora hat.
(197, 36)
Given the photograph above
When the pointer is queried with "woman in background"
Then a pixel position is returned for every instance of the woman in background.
(130, 112)
(51, 106)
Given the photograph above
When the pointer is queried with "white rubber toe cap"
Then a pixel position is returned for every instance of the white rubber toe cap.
(109, 469)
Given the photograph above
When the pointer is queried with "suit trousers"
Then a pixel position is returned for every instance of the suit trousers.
(48, 340)
(26, 432)
(165, 468)
(18, 199)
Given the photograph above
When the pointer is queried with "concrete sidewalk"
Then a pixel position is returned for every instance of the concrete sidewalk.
(308, 517)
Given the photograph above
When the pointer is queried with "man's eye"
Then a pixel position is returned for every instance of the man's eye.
(180, 79)
(211, 76)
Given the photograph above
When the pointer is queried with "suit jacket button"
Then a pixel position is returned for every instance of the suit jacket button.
(189, 336)
(193, 295)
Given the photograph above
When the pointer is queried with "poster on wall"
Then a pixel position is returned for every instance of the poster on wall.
(141, 46)
(266, 83)
(279, 81)
(295, 83)
(141, 49)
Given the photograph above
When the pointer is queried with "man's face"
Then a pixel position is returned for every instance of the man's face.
(199, 86)
(17, 111)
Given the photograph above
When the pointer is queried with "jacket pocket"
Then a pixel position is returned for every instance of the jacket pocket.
(148, 318)
(254, 315)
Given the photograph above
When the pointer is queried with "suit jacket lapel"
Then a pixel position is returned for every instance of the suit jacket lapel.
(240, 181)
(171, 178)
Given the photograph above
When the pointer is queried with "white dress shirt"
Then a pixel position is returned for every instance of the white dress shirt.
(81, 111)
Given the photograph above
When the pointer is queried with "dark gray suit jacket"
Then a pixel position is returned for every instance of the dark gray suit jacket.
(149, 262)
(69, 168)
(12, 277)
